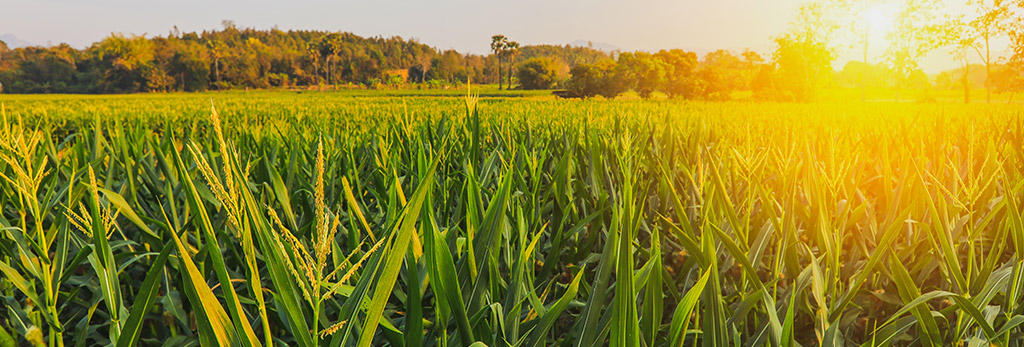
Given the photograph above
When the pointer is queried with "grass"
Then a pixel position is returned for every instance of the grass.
(331, 219)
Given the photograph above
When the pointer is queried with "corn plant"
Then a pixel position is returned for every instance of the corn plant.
(328, 220)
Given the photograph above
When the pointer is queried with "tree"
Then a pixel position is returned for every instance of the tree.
(764, 83)
(231, 57)
(229, 25)
(589, 80)
(1016, 34)
(681, 78)
(506, 51)
(868, 15)
(329, 46)
(1006, 78)
(962, 43)
(803, 55)
(3, 49)
(422, 56)
(538, 73)
(642, 72)
(510, 52)
(40, 69)
(216, 48)
(127, 62)
(750, 67)
(857, 74)
(570, 55)
(498, 45)
(190, 68)
(992, 22)
(917, 31)
(722, 73)
(804, 66)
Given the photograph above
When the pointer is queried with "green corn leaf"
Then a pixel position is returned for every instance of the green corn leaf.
(144, 299)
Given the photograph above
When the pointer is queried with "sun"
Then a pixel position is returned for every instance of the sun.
(879, 19)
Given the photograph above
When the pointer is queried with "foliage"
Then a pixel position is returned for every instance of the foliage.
(722, 73)
(804, 66)
(856, 74)
(228, 58)
(682, 80)
(505, 52)
(642, 72)
(589, 80)
(993, 21)
(538, 73)
(805, 53)
(917, 30)
(568, 55)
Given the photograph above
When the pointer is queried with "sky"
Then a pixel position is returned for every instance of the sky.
(464, 25)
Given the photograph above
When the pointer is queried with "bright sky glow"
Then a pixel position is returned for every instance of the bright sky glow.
(880, 19)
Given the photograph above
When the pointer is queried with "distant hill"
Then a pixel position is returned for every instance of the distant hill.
(601, 46)
(14, 42)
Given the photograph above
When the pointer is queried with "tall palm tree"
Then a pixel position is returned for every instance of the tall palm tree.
(216, 52)
(511, 50)
(498, 45)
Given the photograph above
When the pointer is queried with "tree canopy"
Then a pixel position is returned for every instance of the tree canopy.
(240, 58)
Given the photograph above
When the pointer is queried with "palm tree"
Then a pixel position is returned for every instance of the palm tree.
(511, 50)
(216, 52)
(330, 46)
(313, 51)
(498, 45)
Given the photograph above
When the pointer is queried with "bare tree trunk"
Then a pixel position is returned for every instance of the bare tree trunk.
(988, 71)
(499, 73)
(511, 63)
(216, 71)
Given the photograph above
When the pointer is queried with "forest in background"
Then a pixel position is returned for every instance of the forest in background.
(240, 58)
(801, 65)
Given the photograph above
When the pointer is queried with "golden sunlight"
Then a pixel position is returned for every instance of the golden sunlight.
(879, 20)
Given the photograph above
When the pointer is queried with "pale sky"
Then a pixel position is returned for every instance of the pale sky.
(464, 25)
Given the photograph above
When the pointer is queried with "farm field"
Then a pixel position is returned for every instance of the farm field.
(362, 219)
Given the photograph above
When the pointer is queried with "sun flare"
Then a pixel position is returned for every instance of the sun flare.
(879, 19)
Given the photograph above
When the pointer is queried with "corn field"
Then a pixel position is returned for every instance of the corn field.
(309, 220)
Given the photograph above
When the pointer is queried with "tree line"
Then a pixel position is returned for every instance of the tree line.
(239, 58)
(798, 69)
(800, 66)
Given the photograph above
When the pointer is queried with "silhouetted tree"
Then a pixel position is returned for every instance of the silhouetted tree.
(917, 30)
(992, 22)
